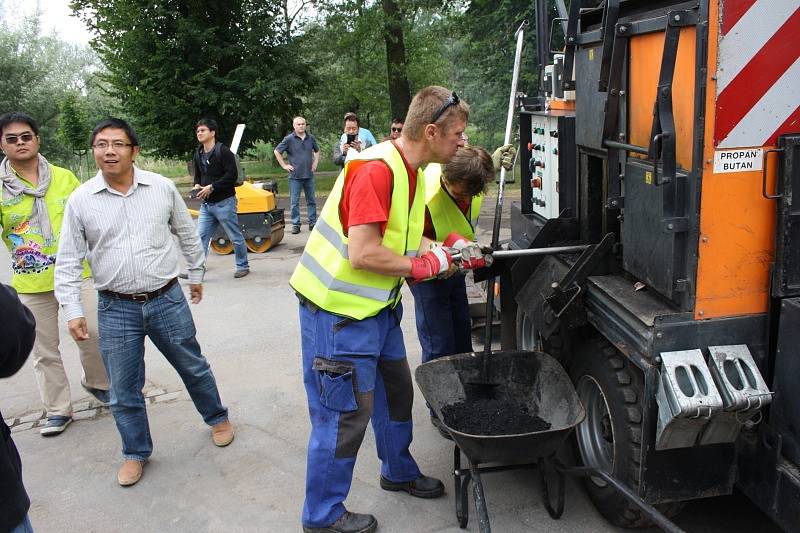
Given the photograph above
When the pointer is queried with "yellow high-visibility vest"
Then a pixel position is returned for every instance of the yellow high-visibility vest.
(446, 216)
(324, 274)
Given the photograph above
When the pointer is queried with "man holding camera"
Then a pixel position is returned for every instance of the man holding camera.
(351, 141)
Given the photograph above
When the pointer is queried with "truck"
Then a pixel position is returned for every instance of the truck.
(666, 135)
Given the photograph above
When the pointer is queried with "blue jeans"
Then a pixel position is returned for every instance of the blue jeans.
(442, 312)
(224, 213)
(24, 526)
(443, 323)
(354, 371)
(167, 321)
(307, 185)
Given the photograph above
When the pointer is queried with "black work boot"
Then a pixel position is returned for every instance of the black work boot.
(422, 487)
(348, 523)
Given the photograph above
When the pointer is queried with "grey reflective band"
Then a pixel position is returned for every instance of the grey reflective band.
(332, 236)
(343, 286)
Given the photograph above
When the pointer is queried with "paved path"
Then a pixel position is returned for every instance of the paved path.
(249, 331)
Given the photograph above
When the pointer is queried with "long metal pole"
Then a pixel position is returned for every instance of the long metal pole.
(512, 99)
(529, 252)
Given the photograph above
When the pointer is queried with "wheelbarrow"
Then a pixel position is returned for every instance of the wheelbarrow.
(534, 382)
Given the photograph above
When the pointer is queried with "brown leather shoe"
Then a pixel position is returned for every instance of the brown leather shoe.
(222, 433)
(130, 472)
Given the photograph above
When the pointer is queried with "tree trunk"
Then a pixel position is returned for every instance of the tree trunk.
(399, 88)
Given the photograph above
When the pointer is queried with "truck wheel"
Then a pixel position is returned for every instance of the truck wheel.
(610, 437)
(528, 337)
(527, 334)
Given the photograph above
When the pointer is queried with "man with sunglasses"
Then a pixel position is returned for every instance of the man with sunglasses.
(32, 201)
(367, 241)
(395, 129)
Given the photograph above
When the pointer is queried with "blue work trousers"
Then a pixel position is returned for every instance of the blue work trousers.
(354, 371)
(167, 320)
(442, 313)
(223, 213)
(307, 186)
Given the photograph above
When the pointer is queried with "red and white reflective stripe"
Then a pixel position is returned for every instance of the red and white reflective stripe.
(758, 72)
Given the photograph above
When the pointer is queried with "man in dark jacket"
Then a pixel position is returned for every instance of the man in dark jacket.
(17, 333)
(215, 173)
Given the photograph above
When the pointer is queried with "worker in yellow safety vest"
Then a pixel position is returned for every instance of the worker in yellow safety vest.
(453, 200)
(367, 240)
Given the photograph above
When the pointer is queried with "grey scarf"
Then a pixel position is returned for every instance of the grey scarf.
(13, 187)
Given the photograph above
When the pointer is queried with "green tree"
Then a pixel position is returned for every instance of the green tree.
(73, 128)
(171, 63)
(485, 48)
(354, 71)
(38, 71)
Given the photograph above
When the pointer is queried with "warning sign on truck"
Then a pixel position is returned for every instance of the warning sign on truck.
(740, 160)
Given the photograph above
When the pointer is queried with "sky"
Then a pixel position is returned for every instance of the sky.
(56, 16)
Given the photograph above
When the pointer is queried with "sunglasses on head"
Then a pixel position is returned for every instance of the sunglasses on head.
(451, 100)
(24, 137)
(398, 130)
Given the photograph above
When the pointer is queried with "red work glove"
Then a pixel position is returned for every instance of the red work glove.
(454, 240)
(430, 264)
(472, 255)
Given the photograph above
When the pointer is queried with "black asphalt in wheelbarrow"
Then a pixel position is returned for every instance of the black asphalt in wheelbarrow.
(531, 379)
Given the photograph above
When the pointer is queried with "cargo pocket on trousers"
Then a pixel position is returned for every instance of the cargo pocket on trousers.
(337, 384)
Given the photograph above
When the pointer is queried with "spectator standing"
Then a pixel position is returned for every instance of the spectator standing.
(368, 240)
(123, 220)
(32, 201)
(363, 133)
(215, 173)
(395, 129)
(350, 144)
(303, 154)
(17, 332)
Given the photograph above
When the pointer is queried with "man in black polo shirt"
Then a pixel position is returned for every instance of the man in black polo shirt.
(215, 175)
(303, 152)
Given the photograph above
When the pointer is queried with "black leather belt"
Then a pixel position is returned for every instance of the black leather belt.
(142, 296)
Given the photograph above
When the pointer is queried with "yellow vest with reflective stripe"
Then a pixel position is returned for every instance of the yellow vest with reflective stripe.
(324, 274)
(446, 216)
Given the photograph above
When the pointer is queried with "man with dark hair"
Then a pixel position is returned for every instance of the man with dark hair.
(32, 198)
(367, 241)
(363, 133)
(395, 129)
(17, 329)
(303, 152)
(350, 142)
(123, 221)
(215, 172)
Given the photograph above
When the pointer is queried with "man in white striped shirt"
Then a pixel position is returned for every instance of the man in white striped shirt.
(122, 222)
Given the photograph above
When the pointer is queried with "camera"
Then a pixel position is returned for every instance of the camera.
(193, 193)
(351, 138)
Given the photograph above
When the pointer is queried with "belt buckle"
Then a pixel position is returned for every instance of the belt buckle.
(140, 297)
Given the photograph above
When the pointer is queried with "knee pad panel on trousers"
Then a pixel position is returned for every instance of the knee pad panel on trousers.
(399, 389)
(353, 425)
